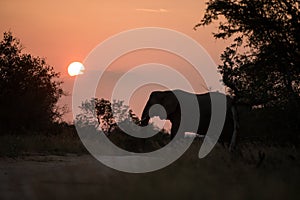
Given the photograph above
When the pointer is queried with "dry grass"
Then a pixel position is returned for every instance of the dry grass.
(22, 145)
(256, 170)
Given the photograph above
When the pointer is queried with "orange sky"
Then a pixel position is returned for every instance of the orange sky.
(66, 31)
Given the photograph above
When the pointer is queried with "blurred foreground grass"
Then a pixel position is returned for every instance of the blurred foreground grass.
(222, 175)
(264, 165)
(22, 145)
(256, 170)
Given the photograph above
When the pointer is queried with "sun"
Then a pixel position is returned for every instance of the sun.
(75, 68)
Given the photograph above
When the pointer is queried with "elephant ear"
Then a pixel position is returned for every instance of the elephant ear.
(170, 102)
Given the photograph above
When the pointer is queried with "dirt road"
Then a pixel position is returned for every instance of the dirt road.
(83, 177)
(53, 177)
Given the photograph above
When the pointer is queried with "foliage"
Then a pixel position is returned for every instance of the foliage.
(116, 120)
(29, 89)
(88, 116)
(262, 65)
(107, 115)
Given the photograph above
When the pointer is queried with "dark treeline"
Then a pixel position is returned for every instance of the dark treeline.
(261, 67)
(29, 90)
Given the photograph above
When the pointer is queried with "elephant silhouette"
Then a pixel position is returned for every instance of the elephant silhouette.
(172, 111)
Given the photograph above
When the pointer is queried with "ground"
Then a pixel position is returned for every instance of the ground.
(221, 175)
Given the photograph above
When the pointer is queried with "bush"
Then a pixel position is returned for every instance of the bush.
(29, 90)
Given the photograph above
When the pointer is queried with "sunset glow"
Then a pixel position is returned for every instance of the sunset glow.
(75, 68)
(63, 36)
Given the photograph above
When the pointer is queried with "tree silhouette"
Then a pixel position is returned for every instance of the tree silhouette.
(106, 115)
(116, 120)
(262, 65)
(88, 115)
(29, 89)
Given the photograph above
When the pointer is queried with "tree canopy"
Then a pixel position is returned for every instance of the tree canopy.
(29, 89)
(262, 65)
(101, 112)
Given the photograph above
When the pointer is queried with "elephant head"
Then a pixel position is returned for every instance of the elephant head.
(158, 100)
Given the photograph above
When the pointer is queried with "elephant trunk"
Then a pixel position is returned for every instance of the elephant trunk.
(145, 116)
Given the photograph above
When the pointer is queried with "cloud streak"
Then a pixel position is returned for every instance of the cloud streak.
(161, 10)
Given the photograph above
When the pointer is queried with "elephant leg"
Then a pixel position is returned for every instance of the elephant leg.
(174, 128)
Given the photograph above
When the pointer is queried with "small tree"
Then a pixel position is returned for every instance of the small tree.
(29, 89)
(107, 115)
(88, 115)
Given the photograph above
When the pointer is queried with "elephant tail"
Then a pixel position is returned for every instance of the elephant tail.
(235, 127)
